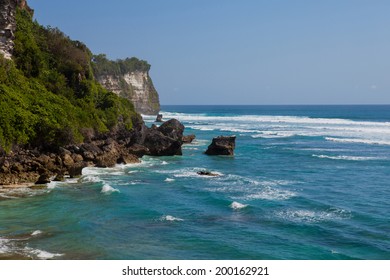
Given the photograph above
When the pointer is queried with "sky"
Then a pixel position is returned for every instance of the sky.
(255, 52)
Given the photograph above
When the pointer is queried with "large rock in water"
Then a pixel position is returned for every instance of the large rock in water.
(165, 140)
(222, 145)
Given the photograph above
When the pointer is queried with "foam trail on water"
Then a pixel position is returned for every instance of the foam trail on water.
(169, 180)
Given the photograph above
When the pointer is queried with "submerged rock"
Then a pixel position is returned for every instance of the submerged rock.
(222, 145)
(207, 173)
(187, 139)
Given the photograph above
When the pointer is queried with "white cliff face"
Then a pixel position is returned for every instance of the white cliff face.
(135, 86)
(7, 27)
(8, 24)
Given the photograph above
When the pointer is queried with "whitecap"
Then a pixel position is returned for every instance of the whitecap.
(90, 179)
(107, 189)
(352, 158)
(170, 218)
(52, 185)
(36, 232)
(169, 180)
(236, 205)
(358, 141)
(164, 162)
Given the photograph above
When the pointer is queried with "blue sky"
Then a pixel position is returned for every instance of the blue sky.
(241, 52)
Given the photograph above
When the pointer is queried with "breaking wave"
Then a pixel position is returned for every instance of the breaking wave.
(107, 189)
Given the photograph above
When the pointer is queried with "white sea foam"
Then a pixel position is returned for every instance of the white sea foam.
(257, 126)
(236, 205)
(169, 180)
(36, 233)
(312, 216)
(269, 193)
(90, 179)
(170, 218)
(362, 141)
(246, 189)
(107, 189)
(4, 246)
(10, 246)
(52, 185)
(352, 158)
(14, 193)
(164, 162)
(41, 254)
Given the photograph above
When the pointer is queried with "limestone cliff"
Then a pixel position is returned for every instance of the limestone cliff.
(8, 24)
(129, 78)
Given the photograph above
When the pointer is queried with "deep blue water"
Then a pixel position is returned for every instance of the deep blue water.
(306, 182)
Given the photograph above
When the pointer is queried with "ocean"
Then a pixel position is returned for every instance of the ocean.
(306, 182)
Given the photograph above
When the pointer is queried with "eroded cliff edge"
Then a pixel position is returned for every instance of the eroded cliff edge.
(128, 78)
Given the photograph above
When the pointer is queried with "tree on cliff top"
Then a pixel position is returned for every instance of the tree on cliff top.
(103, 66)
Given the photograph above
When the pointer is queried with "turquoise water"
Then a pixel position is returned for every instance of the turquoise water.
(306, 182)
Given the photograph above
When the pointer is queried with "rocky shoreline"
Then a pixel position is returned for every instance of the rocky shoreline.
(25, 166)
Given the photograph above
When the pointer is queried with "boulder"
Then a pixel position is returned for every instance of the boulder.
(138, 150)
(128, 159)
(187, 139)
(159, 144)
(76, 169)
(159, 118)
(222, 145)
(44, 178)
(173, 129)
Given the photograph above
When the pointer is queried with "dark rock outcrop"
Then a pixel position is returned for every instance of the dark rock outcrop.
(23, 165)
(159, 118)
(165, 140)
(222, 145)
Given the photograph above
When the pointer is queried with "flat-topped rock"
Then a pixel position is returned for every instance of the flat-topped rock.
(222, 145)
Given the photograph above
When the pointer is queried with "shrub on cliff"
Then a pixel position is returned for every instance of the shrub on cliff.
(48, 94)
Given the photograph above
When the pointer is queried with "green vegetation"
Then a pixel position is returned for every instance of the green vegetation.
(48, 94)
(103, 66)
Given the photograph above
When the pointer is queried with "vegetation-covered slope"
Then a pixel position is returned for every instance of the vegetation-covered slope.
(48, 94)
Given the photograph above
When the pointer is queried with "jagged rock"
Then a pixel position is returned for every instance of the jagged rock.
(90, 151)
(207, 173)
(159, 118)
(222, 145)
(138, 150)
(128, 159)
(59, 177)
(45, 178)
(67, 160)
(159, 144)
(173, 129)
(76, 169)
(106, 160)
(77, 158)
(187, 139)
